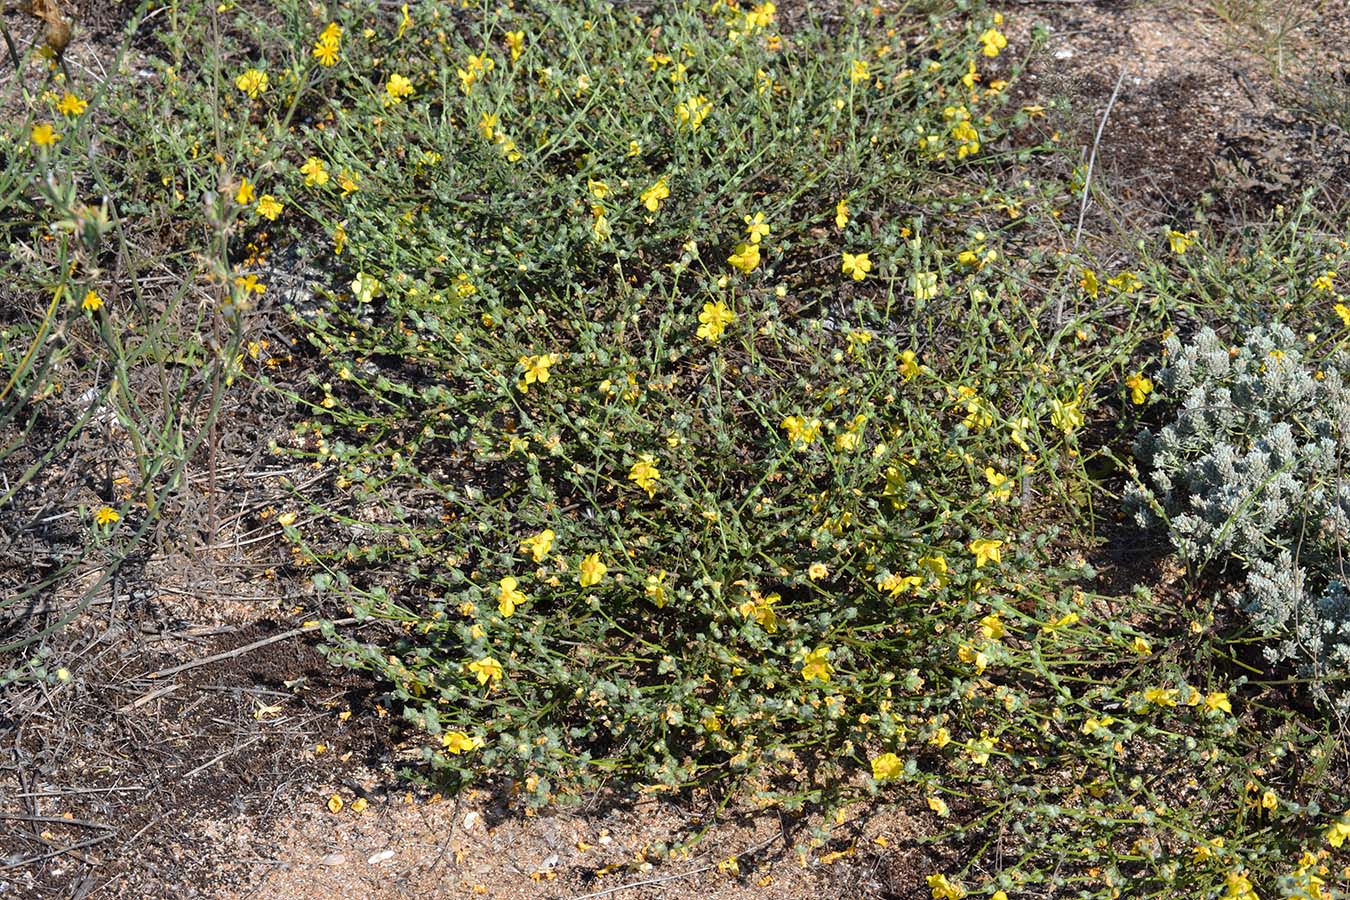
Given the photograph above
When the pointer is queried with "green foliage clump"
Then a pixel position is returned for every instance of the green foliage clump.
(711, 512)
(1251, 468)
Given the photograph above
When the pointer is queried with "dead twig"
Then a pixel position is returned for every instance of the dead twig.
(1092, 157)
(60, 851)
(219, 756)
(146, 698)
(56, 820)
(240, 651)
(1087, 184)
(61, 792)
(674, 876)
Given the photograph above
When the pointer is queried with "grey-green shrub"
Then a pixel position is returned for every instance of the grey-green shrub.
(1250, 470)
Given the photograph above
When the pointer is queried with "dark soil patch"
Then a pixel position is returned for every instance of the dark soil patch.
(231, 738)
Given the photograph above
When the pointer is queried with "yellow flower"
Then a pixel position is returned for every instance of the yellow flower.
(327, 47)
(539, 545)
(972, 657)
(841, 214)
(645, 474)
(509, 597)
(817, 570)
(1089, 283)
(760, 16)
(898, 584)
(939, 806)
(656, 589)
(991, 626)
(979, 414)
(244, 196)
(536, 370)
(1269, 800)
(250, 284)
(269, 208)
(1339, 831)
(886, 767)
(1141, 646)
(909, 365)
(857, 265)
(1218, 701)
(44, 136)
(847, 441)
(756, 227)
(106, 515)
(1000, 485)
(515, 42)
(1125, 282)
(760, 608)
(1179, 241)
(486, 669)
(858, 71)
(592, 571)
(924, 285)
(364, 287)
(1094, 725)
(936, 567)
(71, 105)
(979, 751)
(993, 41)
(1238, 887)
(800, 430)
(92, 301)
(252, 82)
(745, 257)
(652, 196)
(1055, 625)
(816, 666)
(600, 227)
(1161, 697)
(942, 889)
(315, 172)
(1066, 416)
(714, 320)
(1325, 282)
(986, 550)
(398, 88)
(941, 738)
(693, 111)
(1140, 387)
(457, 742)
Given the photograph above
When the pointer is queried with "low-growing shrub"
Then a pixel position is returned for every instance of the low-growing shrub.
(1252, 469)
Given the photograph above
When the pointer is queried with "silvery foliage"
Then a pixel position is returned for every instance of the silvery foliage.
(1251, 469)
